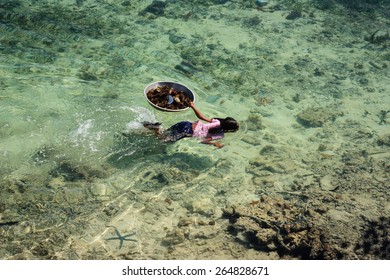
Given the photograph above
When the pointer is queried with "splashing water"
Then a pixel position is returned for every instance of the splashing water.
(142, 115)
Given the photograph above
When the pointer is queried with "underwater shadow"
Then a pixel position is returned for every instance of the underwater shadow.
(130, 149)
(189, 162)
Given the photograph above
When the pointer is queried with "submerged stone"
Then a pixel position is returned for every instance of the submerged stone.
(220, 2)
(316, 117)
(261, 3)
(73, 173)
(43, 154)
(156, 8)
(384, 140)
(212, 98)
(294, 15)
(67, 171)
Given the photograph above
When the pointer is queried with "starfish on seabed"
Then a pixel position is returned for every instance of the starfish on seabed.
(121, 238)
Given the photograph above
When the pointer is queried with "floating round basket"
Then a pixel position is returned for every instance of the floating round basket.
(169, 96)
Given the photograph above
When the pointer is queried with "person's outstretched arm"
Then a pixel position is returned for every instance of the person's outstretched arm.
(198, 113)
(208, 141)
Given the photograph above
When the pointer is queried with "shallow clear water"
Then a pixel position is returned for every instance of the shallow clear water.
(75, 162)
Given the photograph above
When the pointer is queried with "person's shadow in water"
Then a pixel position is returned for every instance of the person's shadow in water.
(132, 148)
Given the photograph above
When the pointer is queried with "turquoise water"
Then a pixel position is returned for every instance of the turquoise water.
(310, 92)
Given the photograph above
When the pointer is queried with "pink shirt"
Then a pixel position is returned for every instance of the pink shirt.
(202, 130)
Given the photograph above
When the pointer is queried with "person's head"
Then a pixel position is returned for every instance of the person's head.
(229, 124)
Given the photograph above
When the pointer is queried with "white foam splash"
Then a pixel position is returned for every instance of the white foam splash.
(141, 115)
(82, 130)
(90, 134)
(133, 125)
(84, 136)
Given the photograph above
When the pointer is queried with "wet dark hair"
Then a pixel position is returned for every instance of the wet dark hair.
(228, 124)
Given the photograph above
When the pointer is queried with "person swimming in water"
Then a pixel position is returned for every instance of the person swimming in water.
(208, 132)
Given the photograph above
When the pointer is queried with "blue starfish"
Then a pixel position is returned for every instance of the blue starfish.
(121, 238)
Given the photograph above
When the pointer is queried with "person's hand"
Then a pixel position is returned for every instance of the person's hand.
(218, 145)
(191, 104)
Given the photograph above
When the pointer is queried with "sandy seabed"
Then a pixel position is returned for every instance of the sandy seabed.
(306, 177)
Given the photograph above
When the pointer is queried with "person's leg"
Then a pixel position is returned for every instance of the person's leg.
(153, 126)
(177, 131)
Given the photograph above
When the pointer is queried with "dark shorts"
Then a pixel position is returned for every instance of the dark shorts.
(177, 131)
